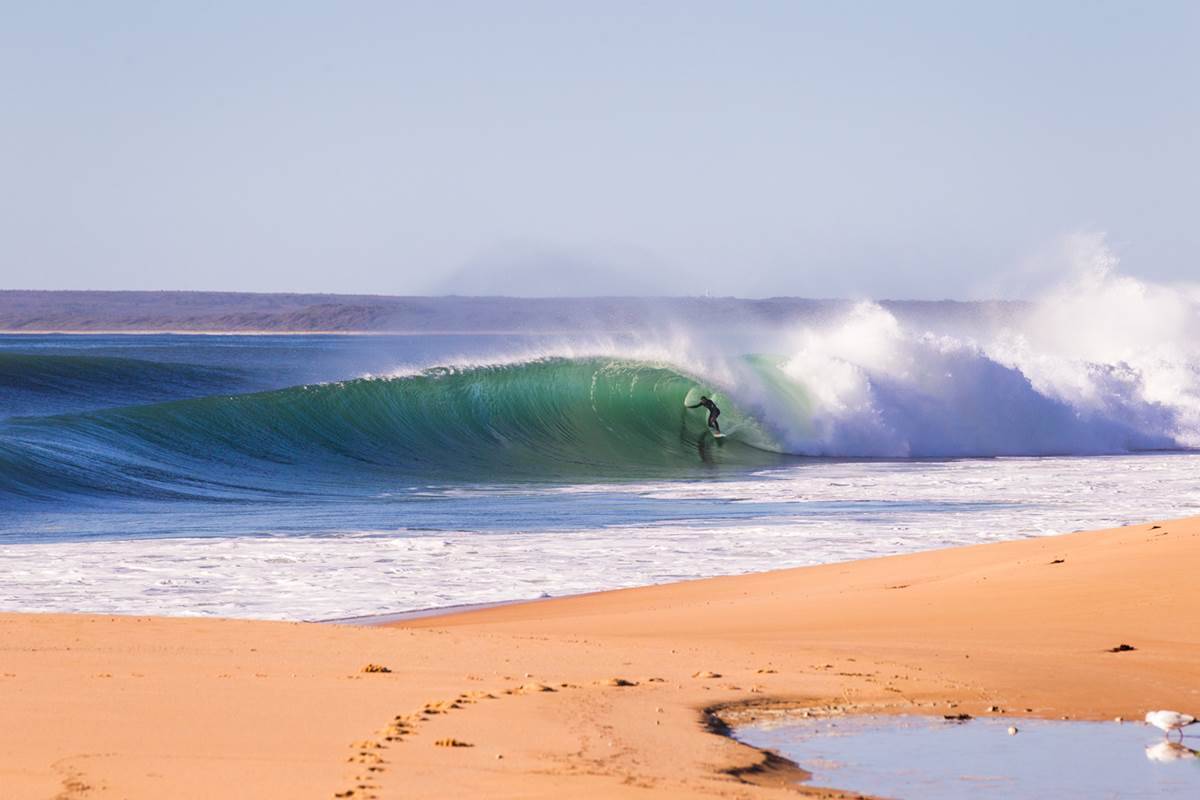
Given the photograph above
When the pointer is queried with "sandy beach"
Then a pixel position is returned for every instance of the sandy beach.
(618, 694)
(646, 400)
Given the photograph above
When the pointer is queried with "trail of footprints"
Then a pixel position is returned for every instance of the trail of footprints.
(368, 752)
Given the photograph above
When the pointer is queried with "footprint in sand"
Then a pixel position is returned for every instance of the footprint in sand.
(394, 733)
(532, 688)
(365, 757)
(441, 707)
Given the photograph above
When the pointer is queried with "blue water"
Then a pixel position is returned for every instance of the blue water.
(919, 758)
(324, 476)
(208, 364)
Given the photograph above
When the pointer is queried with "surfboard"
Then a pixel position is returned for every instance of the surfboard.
(693, 396)
(718, 436)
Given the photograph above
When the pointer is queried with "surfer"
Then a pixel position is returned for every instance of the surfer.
(713, 412)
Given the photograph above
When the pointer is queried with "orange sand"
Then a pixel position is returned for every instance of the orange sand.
(103, 707)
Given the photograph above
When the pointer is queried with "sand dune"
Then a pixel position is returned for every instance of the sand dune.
(604, 695)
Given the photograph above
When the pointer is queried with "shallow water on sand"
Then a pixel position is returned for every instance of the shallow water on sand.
(934, 759)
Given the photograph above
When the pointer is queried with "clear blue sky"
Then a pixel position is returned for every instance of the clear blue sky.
(884, 149)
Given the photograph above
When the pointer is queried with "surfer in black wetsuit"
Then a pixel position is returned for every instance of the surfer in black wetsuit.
(713, 412)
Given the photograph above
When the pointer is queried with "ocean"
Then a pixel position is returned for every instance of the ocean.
(335, 476)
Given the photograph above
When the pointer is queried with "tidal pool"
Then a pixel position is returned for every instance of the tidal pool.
(928, 758)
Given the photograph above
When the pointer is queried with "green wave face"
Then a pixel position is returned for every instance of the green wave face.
(543, 420)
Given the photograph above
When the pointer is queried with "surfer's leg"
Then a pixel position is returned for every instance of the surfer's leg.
(712, 423)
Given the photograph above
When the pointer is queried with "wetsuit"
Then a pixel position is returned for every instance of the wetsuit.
(713, 412)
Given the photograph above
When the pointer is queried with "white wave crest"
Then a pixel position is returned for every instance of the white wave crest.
(1101, 363)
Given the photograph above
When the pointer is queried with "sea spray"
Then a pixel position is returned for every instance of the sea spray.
(1099, 363)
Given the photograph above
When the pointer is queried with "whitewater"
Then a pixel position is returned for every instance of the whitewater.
(323, 477)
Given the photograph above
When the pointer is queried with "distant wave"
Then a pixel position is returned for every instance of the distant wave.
(36, 383)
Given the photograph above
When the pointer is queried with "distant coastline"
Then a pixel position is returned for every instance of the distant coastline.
(258, 332)
(216, 313)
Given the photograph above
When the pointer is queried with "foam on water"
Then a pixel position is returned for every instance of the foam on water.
(812, 514)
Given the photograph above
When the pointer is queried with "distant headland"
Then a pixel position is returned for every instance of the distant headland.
(30, 311)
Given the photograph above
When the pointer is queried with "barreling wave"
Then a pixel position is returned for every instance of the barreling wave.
(544, 419)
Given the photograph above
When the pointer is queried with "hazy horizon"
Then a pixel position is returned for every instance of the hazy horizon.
(580, 297)
(921, 152)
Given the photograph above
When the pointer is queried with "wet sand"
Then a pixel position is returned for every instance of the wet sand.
(617, 694)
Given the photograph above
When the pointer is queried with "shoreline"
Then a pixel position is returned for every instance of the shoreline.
(391, 617)
(610, 694)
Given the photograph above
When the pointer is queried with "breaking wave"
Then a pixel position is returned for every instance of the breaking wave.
(1103, 364)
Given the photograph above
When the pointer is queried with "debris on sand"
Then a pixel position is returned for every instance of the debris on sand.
(618, 682)
(706, 674)
(452, 742)
(1122, 648)
(375, 668)
(957, 717)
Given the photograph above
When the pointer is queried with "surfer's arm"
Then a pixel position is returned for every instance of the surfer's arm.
(685, 405)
